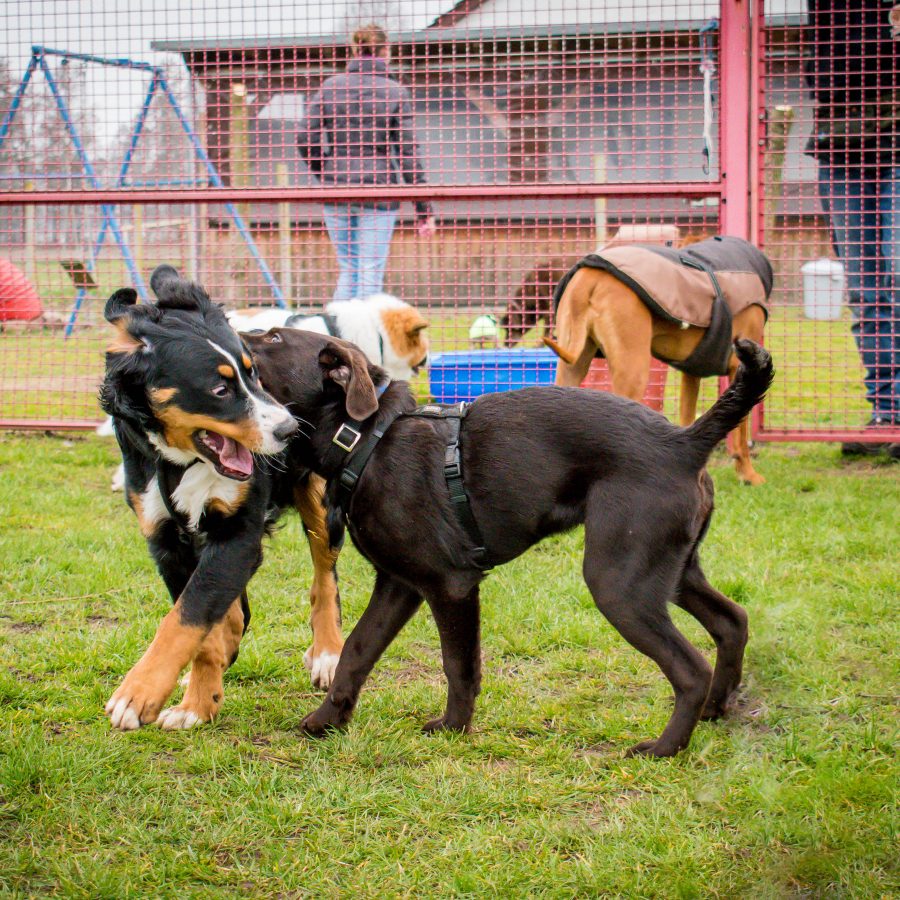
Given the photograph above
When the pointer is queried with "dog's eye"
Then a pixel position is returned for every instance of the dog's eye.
(221, 390)
(273, 339)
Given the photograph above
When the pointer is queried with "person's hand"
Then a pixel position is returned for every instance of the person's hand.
(427, 227)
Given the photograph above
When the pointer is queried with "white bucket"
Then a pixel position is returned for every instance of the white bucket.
(823, 289)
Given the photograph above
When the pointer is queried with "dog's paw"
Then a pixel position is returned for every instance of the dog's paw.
(189, 713)
(123, 713)
(321, 666)
(322, 721)
(140, 698)
(654, 748)
(442, 724)
(176, 717)
(132, 706)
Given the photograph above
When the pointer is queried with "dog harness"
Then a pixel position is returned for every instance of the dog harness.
(347, 438)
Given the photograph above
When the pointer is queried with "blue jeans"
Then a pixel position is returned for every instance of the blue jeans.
(361, 236)
(864, 205)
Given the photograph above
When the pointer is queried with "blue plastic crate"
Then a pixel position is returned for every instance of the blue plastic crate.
(466, 374)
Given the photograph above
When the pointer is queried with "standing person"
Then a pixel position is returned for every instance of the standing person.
(359, 131)
(853, 73)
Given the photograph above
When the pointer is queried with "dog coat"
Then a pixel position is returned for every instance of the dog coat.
(705, 284)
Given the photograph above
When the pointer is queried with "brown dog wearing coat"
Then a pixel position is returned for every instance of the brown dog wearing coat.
(631, 303)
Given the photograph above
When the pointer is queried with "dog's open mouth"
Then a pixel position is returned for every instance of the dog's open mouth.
(231, 459)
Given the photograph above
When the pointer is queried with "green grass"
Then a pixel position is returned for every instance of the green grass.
(819, 380)
(793, 795)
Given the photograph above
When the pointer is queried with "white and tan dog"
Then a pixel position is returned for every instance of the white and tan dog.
(388, 330)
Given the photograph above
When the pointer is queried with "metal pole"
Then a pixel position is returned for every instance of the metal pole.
(216, 179)
(16, 100)
(107, 208)
(734, 130)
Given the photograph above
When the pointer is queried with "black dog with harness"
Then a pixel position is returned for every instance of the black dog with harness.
(348, 438)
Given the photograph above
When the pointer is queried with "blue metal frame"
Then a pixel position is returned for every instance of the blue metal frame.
(110, 222)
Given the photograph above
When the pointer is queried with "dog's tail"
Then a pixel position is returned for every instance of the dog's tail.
(565, 355)
(753, 378)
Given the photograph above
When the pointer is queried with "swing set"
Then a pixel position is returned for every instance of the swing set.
(110, 223)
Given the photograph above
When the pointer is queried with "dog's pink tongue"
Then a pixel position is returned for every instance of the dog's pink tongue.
(236, 457)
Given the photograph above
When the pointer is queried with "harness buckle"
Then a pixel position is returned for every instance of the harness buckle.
(346, 438)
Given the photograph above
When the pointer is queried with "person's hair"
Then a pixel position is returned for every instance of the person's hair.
(369, 40)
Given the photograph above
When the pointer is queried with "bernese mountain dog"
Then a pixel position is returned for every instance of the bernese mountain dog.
(209, 466)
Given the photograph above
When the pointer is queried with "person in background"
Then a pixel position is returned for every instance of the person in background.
(359, 132)
(852, 69)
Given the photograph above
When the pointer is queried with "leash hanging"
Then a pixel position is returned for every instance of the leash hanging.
(707, 70)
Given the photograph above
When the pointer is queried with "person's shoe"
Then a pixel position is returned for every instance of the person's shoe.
(869, 448)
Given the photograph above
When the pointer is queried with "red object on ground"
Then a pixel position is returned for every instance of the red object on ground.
(18, 298)
(598, 379)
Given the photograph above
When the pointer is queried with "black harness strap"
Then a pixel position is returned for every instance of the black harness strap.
(348, 439)
(453, 475)
(713, 354)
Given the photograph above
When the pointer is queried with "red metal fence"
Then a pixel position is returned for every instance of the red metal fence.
(164, 134)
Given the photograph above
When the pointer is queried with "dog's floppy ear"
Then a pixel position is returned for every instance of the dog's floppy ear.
(349, 368)
(161, 275)
(119, 304)
(419, 326)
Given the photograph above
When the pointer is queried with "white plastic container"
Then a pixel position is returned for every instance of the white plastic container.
(823, 289)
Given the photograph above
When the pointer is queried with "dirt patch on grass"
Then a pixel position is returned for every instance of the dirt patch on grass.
(25, 627)
(603, 749)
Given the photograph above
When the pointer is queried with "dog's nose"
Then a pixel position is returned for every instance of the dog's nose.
(285, 430)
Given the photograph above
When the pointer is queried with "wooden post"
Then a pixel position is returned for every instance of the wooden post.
(199, 212)
(779, 128)
(284, 234)
(139, 237)
(600, 227)
(30, 239)
(193, 241)
(239, 166)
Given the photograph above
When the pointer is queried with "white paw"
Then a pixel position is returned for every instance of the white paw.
(321, 667)
(185, 679)
(122, 715)
(118, 479)
(175, 717)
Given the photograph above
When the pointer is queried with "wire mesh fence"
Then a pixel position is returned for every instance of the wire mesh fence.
(827, 207)
(461, 157)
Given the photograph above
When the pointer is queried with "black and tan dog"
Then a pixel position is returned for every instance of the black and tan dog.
(533, 462)
(208, 467)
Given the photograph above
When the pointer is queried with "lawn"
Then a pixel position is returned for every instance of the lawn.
(44, 377)
(795, 794)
